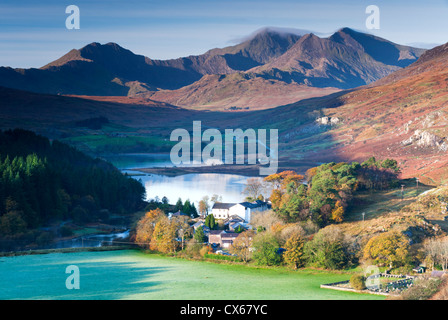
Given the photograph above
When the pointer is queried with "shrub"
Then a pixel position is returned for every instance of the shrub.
(330, 249)
(358, 282)
(66, 231)
(193, 249)
(266, 249)
(422, 289)
(214, 256)
(44, 238)
(204, 250)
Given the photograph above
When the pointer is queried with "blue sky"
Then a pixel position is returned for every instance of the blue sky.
(33, 33)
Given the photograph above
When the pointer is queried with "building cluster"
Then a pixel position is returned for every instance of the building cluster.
(234, 217)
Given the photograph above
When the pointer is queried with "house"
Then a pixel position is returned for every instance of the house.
(233, 219)
(227, 239)
(222, 238)
(233, 222)
(244, 209)
(419, 269)
(198, 224)
(178, 214)
(214, 236)
(235, 225)
(220, 210)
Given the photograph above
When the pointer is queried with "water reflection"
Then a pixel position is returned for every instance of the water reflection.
(190, 186)
(195, 186)
(94, 240)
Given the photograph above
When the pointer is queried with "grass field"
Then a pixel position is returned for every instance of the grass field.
(128, 274)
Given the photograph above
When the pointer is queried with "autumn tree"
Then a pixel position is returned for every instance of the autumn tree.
(204, 206)
(330, 248)
(163, 237)
(437, 252)
(145, 226)
(265, 219)
(338, 212)
(294, 254)
(390, 248)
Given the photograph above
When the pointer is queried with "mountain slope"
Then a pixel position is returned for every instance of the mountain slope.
(237, 91)
(345, 60)
(402, 116)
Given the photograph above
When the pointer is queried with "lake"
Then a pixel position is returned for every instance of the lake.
(189, 186)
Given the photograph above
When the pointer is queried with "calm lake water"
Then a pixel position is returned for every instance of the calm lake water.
(188, 186)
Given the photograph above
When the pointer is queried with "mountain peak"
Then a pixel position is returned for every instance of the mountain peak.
(275, 31)
(346, 30)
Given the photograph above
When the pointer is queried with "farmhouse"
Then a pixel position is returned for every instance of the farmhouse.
(243, 209)
(220, 210)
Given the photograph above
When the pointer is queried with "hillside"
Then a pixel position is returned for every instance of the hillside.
(403, 116)
(237, 91)
(45, 181)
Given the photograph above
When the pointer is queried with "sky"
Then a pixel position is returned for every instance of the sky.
(33, 33)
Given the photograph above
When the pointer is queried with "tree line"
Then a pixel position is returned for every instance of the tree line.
(324, 193)
(43, 181)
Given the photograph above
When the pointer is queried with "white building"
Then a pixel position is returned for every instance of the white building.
(243, 209)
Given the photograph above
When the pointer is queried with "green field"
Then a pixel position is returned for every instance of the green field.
(129, 274)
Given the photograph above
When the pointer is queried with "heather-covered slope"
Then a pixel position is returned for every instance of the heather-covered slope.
(403, 116)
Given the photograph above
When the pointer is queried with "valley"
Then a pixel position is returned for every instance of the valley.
(360, 121)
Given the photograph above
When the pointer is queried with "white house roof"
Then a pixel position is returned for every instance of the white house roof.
(222, 205)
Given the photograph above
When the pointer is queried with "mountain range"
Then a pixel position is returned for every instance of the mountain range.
(277, 67)
(399, 111)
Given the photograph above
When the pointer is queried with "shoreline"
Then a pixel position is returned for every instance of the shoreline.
(242, 170)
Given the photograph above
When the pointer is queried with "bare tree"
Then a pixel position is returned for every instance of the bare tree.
(216, 198)
(254, 189)
(182, 227)
(204, 206)
(265, 219)
(437, 251)
(242, 245)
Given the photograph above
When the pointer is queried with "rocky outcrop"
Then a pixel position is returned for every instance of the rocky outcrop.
(426, 139)
(328, 121)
